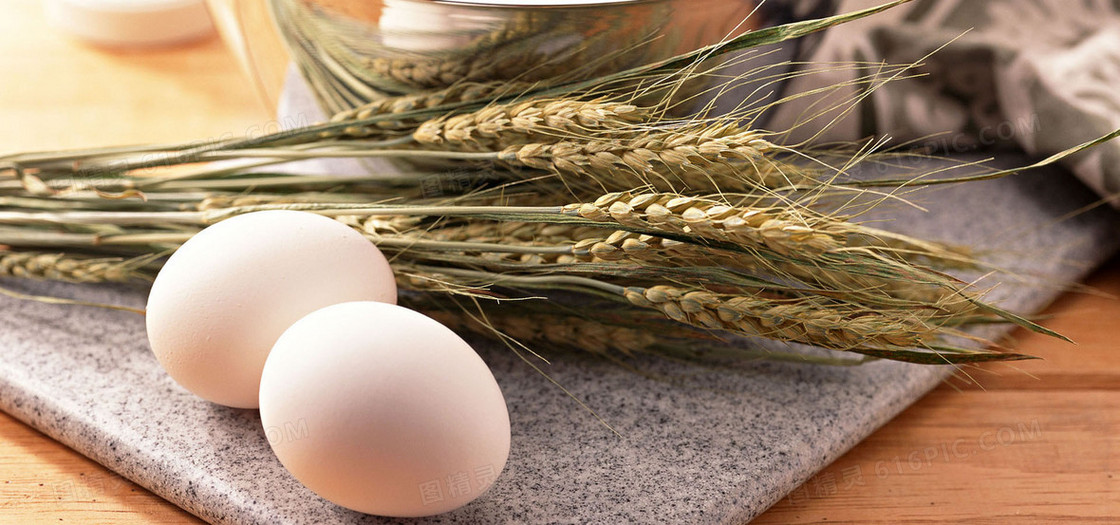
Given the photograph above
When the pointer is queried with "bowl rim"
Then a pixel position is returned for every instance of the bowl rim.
(543, 4)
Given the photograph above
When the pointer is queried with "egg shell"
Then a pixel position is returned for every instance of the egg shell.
(383, 410)
(222, 300)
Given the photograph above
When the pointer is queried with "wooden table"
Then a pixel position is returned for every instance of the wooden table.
(1037, 441)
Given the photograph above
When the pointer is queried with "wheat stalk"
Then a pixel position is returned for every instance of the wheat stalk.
(555, 330)
(526, 245)
(809, 320)
(784, 231)
(570, 244)
(513, 232)
(826, 322)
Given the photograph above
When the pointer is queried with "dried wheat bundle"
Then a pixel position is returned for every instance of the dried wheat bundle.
(565, 195)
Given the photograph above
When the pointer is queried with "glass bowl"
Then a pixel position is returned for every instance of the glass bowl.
(354, 51)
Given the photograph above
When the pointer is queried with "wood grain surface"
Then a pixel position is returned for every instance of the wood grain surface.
(1035, 442)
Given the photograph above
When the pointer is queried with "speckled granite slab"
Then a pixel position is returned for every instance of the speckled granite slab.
(720, 447)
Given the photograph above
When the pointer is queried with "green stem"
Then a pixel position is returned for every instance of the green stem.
(456, 246)
(567, 282)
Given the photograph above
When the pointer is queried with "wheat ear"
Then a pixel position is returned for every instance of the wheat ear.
(778, 229)
(69, 268)
(722, 157)
(835, 326)
(500, 64)
(462, 92)
(541, 120)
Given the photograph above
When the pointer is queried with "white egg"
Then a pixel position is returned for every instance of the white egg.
(221, 301)
(383, 410)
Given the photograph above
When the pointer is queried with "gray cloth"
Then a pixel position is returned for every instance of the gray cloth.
(1041, 75)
